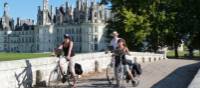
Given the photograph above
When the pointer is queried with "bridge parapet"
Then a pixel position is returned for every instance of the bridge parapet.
(20, 73)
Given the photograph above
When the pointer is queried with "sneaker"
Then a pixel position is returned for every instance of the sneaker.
(135, 83)
(64, 78)
(127, 80)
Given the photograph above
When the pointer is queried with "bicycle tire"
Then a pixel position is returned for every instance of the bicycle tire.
(110, 74)
(70, 78)
(54, 79)
(120, 75)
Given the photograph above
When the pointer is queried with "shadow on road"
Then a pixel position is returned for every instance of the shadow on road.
(97, 83)
(25, 78)
(180, 78)
(184, 58)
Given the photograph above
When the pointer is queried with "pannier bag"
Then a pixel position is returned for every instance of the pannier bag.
(137, 68)
(78, 69)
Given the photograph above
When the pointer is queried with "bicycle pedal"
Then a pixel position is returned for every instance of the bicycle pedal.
(64, 80)
(135, 83)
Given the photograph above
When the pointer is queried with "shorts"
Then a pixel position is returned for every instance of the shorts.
(64, 64)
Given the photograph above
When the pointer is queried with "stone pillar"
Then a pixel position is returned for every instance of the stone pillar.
(39, 82)
(97, 66)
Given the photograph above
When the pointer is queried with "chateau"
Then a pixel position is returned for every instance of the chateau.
(85, 23)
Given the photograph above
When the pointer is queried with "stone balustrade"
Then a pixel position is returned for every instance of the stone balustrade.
(21, 73)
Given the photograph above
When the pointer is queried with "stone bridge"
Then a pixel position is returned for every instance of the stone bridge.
(170, 73)
(158, 72)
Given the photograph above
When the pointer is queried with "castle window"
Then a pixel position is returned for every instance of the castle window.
(72, 30)
(80, 31)
(90, 38)
(96, 29)
(96, 38)
(96, 47)
(69, 31)
(91, 47)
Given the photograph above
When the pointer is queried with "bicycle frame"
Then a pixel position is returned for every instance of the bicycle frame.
(59, 70)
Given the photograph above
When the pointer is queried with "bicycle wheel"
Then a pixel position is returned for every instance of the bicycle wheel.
(54, 78)
(70, 79)
(120, 75)
(110, 74)
(136, 82)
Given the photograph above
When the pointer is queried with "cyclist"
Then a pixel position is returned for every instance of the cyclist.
(67, 47)
(113, 42)
(122, 50)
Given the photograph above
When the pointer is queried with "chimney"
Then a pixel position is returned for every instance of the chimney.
(18, 21)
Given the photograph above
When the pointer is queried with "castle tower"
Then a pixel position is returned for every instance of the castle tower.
(86, 11)
(44, 15)
(45, 5)
(5, 19)
(78, 5)
(93, 10)
(67, 9)
(45, 12)
(71, 14)
(5, 8)
(39, 16)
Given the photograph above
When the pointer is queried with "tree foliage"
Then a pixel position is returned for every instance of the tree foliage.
(156, 23)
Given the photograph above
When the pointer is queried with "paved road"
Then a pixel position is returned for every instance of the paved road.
(171, 73)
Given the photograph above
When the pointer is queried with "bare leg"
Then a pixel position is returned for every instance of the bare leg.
(61, 67)
(130, 74)
(116, 75)
(71, 68)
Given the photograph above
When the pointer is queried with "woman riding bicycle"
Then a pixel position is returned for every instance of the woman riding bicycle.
(67, 47)
(122, 50)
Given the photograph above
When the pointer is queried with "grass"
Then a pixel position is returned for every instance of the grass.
(171, 53)
(18, 56)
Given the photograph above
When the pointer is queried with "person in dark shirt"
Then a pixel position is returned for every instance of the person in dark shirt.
(122, 50)
(67, 47)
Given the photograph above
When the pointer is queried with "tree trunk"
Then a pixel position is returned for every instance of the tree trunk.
(176, 51)
(190, 52)
(199, 52)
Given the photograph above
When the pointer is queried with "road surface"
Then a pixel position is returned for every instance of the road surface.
(170, 73)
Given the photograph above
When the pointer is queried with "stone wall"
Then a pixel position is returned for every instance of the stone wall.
(22, 73)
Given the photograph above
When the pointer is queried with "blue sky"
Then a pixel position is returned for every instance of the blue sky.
(28, 8)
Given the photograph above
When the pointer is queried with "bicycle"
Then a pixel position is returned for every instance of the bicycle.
(110, 72)
(57, 75)
(113, 70)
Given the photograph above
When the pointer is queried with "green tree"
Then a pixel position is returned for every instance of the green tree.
(189, 23)
(155, 23)
(131, 21)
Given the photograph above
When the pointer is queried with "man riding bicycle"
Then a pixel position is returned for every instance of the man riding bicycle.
(119, 48)
(67, 47)
(113, 42)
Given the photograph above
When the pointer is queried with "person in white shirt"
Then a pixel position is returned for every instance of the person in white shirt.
(113, 42)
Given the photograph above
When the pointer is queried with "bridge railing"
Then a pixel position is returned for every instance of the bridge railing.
(18, 73)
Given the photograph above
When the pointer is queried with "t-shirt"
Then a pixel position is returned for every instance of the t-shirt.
(66, 50)
(113, 42)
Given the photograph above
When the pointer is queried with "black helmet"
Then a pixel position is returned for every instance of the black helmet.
(67, 36)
